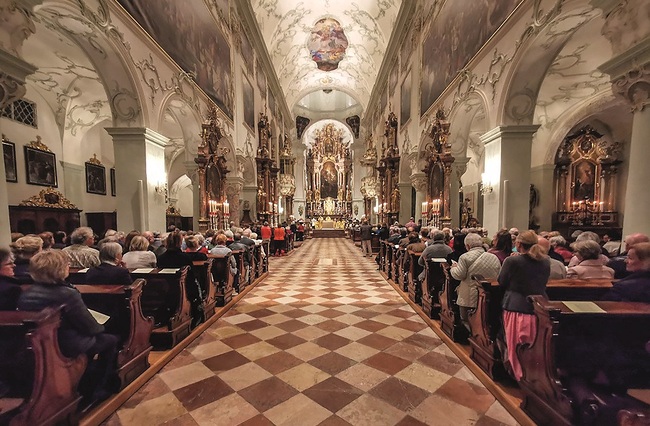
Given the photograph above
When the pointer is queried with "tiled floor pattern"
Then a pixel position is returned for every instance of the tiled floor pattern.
(324, 340)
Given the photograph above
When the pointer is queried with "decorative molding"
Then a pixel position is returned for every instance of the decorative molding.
(38, 144)
(17, 19)
(634, 87)
(95, 160)
(51, 198)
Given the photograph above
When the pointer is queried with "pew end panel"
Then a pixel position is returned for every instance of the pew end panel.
(222, 278)
(485, 323)
(164, 298)
(127, 321)
(203, 273)
(449, 314)
(581, 364)
(412, 276)
(434, 281)
(36, 370)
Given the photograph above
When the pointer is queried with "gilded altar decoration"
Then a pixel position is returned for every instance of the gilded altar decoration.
(51, 198)
(95, 160)
(172, 211)
(329, 173)
(267, 174)
(212, 172)
(438, 159)
(586, 169)
(388, 173)
(327, 44)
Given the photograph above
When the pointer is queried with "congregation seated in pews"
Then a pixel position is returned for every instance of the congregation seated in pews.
(579, 348)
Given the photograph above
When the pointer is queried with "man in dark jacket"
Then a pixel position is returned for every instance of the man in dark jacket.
(110, 271)
(366, 238)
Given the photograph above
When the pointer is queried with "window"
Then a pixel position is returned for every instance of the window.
(22, 111)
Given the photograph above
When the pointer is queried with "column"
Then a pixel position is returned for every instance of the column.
(74, 178)
(458, 169)
(192, 172)
(627, 30)
(419, 182)
(13, 72)
(140, 177)
(234, 186)
(507, 168)
(405, 199)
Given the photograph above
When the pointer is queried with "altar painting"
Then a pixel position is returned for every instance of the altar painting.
(329, 182)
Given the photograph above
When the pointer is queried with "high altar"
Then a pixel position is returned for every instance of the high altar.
(329, 170)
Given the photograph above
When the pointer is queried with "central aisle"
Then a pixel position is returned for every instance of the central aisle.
(323, 340)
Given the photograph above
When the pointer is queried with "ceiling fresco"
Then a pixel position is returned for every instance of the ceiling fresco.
(287, 27)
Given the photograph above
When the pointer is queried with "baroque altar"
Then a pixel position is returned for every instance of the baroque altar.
(329, 172)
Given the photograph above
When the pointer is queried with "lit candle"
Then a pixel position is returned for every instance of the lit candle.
(226, 207)
(270, 205)
(424, 207)
(601, 206)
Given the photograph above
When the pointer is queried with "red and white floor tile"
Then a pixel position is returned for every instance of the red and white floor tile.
(324, 340)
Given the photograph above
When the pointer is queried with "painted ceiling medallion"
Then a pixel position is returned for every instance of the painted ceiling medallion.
(327, 44)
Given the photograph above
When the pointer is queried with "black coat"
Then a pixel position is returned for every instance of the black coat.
(633, 288)
(9, 293)
(78, 327)
(106, 273)
(174, 258)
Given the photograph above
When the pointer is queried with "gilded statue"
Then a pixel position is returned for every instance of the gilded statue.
(395, 200)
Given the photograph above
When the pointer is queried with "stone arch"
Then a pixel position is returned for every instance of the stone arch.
(100, 40)
(539, 47)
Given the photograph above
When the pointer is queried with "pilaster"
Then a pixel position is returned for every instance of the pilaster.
(507, 169)
(234, 187)
(192, 172)
(74, 179)
(140, 177)
(458, 169)
(405, 202)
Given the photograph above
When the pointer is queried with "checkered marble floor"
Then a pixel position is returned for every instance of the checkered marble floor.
(324, 340)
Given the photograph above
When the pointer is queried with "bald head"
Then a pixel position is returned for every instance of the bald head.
(633, 239)
(544, 244)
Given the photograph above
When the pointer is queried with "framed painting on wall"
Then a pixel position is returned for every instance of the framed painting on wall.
(40, 166)
(95, 179)
(113, 188)
(9, 155)
(405, 100)
(249, 103)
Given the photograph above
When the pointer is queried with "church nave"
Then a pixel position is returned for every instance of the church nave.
(324, 339)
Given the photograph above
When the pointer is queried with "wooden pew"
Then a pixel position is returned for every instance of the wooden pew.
(122, 304)
(42, 381)
(412, 276)
(486, 322)
(375, 243)
(432, 286)
(203, 273)
(402, 269)
(574, 348)
(356, 236)
(382, 256)
(165, 299)
(449, 313)
(241, 269)
(390, 259)
(222, 278)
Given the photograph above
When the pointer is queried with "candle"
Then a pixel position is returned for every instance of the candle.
(424, 207)
(226, 207)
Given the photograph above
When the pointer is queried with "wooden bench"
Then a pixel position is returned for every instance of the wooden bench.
(203, 273)
(412, 276)
(575, 354)
(241, 269)
(433, 285)
(450, 322)
(375, 243)
(42, 382)
(122, 304)
(165, 299)
(222, 278)
(486, 322)
(400, 268)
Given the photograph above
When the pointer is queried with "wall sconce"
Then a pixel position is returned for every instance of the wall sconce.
(486, 184)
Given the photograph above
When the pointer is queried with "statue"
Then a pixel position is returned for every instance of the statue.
(395, 200)
(317, 194)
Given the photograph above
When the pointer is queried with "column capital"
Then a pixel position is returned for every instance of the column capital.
(509, 132)
(630, 74)
(137, 133)
(419, 182)
(12, 77)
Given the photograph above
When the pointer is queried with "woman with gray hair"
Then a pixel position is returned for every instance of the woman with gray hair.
(139, 255)
(79, 333)
(24, 248)
(475, 262)
(590, 265)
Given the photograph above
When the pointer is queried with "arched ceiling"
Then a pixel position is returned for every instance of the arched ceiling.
(310, 135)
(287, 26)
